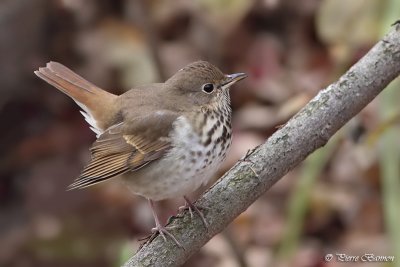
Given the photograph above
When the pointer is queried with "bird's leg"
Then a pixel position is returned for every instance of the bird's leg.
(162, 230)
(191, 207)
(186, 207)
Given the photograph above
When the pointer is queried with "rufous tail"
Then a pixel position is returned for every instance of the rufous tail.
(99, 105)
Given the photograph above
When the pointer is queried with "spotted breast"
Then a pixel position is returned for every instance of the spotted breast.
(196, 152)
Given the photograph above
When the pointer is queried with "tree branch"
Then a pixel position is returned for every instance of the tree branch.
(307, 131)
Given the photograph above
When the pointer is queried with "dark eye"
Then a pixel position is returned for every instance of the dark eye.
(208, 88)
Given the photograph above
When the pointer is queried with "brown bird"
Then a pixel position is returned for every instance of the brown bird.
(167, 138)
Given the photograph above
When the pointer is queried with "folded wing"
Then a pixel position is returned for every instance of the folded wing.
(127, 146)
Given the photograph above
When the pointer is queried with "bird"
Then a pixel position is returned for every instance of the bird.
(163, 140)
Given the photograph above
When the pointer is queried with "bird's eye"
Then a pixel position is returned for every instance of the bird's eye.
(208, 88)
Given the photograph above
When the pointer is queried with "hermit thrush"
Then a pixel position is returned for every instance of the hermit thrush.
(167, 138)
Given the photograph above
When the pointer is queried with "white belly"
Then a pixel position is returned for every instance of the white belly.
(189, 164)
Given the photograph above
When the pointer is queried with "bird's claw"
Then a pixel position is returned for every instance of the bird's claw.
(191, 207)
(164, 230)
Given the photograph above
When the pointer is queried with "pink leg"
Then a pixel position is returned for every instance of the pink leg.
(162, 230)
(191, 207)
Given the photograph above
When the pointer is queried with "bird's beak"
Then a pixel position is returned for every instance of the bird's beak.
(233, 78)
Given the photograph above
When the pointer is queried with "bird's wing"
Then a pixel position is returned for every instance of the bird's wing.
(127, 146)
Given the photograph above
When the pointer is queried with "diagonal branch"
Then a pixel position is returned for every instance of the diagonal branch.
(307, 131)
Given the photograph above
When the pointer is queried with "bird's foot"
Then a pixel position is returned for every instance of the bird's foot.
(163, 231)
(160, 229)
(193, 208)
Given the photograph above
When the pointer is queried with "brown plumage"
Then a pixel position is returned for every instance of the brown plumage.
(133, 128)
(166, 138)
(93, 100)
(122, 146)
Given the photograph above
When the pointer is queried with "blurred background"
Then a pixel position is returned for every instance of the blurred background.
(342, 199)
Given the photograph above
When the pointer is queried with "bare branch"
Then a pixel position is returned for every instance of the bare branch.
(307, 131)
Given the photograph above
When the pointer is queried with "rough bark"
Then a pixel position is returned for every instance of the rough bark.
(307, 131)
